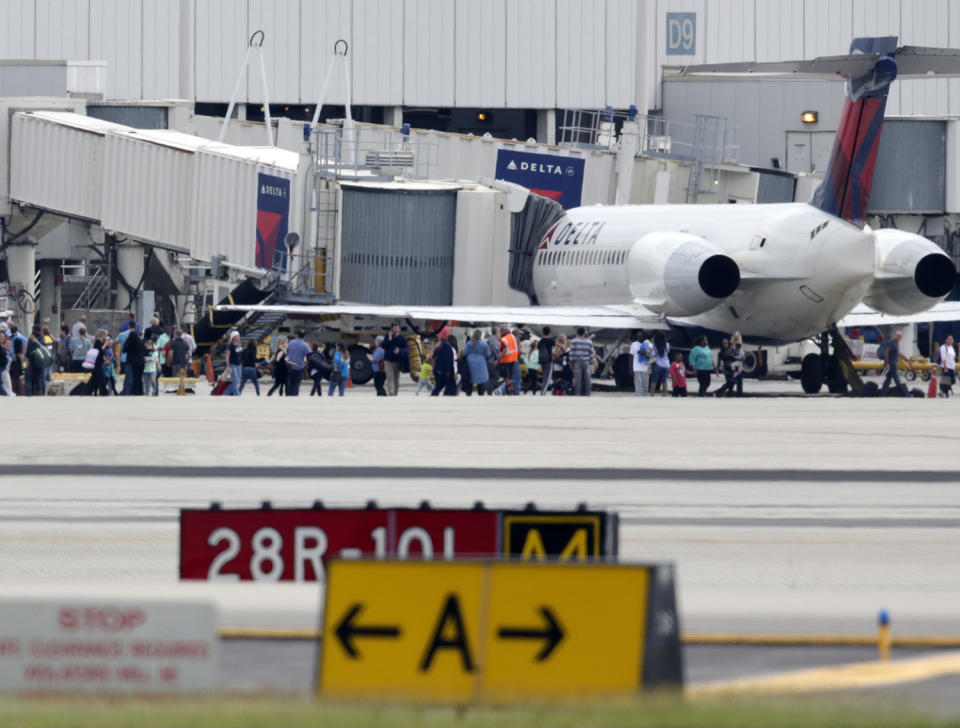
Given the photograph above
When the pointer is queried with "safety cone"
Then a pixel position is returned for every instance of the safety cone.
(350, 380)
(932, 388)
(210, 377)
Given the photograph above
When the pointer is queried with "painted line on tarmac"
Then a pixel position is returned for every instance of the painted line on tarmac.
(739, 521)
(818, 640)
(260, 633)
(469, 473)
(840, 677)
(703, 638)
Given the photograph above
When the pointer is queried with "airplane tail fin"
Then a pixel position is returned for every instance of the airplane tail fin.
(845, 190)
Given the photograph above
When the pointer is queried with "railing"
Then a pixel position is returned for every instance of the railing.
(713, 141)
(88, 297)
(373, 152)
(308, 272)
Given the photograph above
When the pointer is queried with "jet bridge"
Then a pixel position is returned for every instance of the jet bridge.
(156, 189)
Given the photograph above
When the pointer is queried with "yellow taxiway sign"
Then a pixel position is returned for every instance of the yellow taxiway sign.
(467, 631)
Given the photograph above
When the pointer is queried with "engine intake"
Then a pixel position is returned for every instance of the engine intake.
(911, 274)
(678, 274)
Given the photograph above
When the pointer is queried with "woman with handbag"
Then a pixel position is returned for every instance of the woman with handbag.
(97, 384)
(341, 369)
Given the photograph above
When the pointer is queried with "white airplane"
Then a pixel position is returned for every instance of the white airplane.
(778, 273)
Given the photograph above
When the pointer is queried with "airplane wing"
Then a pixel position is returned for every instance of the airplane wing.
(593, 317)
(863, 315)
(912, 62)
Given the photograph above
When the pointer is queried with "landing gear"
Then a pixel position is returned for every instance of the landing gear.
(811, 373)
(835, 370)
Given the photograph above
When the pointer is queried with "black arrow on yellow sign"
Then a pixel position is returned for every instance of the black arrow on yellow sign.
(347, 630)
(552, 634)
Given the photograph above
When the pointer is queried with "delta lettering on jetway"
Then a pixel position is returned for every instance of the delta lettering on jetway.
(557, 177)
(491, 631)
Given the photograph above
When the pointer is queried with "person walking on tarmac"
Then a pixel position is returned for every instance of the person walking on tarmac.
(701, 361)
(394, 353)
(582, 358)
(509, 355)
(379, 370)
(948, 366)
(444, 368)
(279, 369)
(891, 359)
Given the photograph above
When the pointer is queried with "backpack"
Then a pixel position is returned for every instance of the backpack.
(882, 351)
(41, 357)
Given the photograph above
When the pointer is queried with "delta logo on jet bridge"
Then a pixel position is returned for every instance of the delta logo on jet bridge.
(294, 544)
(273, 215)
(553, 176)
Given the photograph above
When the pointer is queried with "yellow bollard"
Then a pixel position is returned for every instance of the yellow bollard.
(883, 635)
(182, 389)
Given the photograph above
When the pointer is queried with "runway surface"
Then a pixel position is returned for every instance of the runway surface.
(782, 515)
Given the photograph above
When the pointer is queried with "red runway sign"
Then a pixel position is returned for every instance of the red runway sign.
(292, 544)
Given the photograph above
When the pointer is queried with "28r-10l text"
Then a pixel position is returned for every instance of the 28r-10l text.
(309, 547)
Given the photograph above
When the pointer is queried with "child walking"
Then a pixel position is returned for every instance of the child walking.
(678, 376)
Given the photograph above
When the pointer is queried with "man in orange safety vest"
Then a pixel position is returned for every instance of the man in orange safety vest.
(509, 355)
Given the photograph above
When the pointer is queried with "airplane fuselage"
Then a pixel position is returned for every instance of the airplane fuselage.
(801, 269)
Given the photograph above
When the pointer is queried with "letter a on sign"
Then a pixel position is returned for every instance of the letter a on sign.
(450, 633)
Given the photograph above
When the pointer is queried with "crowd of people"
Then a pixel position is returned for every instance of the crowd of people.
(499, 361)
(27, 363)
(654, 366)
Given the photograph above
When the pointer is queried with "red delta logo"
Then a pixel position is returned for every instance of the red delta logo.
(554, 195)
(268, 236)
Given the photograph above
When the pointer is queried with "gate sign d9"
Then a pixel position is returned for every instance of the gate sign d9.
(681, 34)
(293, 544)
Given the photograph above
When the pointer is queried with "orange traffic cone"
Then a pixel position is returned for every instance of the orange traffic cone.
(932, 388)
(350, 380)
(210, 377)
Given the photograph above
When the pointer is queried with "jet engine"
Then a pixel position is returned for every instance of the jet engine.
(911, 274)
(678, 274)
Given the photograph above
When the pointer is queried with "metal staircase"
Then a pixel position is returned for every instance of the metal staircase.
(93, 294)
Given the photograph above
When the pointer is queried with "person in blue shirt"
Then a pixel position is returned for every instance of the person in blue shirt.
(297, 352)
(379, 368)
(701, 359)
(235, 364)
(341, 369)
(477, 353)
(661, 364)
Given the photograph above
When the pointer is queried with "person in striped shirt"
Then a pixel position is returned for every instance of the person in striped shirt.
(581, 357)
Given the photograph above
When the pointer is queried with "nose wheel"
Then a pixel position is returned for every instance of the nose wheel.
(836, 370)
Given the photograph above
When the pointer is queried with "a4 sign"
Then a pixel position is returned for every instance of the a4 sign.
(293, 544)
(468, 631)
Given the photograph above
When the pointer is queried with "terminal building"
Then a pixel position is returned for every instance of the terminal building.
(121, 188)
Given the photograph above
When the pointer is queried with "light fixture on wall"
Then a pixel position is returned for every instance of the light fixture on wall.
(809, 117)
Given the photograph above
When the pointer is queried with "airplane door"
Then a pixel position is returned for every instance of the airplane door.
(798, 151)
